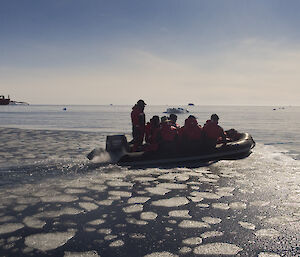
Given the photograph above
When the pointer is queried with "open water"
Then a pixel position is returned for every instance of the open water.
(55, 202)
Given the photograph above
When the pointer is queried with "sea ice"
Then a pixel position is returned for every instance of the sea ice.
(120, 193)
(213, 233)
(221, 206)
(48, 241)
(133, 208)
(33, 222)
(117, 243)
(211, 220)
(217, 249)
(265, 254)
(96, 222)
(185, 250)
(171, 202)
(88, 206)
(138, 199)
(82, 254)
(136, 222)
(105, 231)
(247, 225)
(180, 214)
(137, 236)
(192, 241)
(119, 183)
(148, 215)
(157, 190)
(172, 185)
(206, 195)
(237, 206)
(10, 227)
(267, 233)
(59, 198)
(161, 254)
(193, 224)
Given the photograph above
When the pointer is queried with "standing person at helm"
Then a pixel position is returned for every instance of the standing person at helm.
(138, 124)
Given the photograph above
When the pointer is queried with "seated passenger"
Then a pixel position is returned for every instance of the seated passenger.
(168, 134)
(152, 134)
(191, 134)
(213, 132)
(173, 119)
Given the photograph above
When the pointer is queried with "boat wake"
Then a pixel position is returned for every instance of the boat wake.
(101, 156)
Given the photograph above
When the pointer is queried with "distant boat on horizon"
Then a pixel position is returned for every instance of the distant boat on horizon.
(190, 104)
(7, 101)
(3, 100)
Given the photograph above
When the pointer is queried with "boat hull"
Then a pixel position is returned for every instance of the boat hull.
(4, 101)
(232, 150)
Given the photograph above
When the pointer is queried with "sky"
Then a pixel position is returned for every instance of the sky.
(206, 52)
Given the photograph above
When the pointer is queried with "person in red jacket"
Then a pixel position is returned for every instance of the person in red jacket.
(173, 119)
(138, 124)
(191, 135)
(152, 134)
(168, 136)
(213, 132)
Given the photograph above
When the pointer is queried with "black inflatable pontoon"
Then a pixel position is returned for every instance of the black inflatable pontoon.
(240, 148)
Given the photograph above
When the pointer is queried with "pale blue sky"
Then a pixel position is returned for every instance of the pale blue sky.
(166, 51)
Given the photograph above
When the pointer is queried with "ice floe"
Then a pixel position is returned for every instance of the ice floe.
(180, 214)
(247, 225)
(270, 232)
(148, 215)
(217, 249)
(138, 199)
(266, 254)
(185, 250)
(193, 224)
(48, 241)
(88, 206)
(117, 243)
(171, 202)
(209, 234)
(221, 206)
(192, 241)
(10, 227)
(120, 193)
(211, 220)
(157, 190)
(133, 208)
(237, 206)
(33, 222)
(82, 254)
(96, 222)
(161, 254)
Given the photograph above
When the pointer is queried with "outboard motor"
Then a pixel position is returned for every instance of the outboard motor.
(116, 143)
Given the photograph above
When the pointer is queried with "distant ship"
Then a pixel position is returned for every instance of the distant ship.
(7, 101)
(178, 110)
(3, 100)
(191, 104)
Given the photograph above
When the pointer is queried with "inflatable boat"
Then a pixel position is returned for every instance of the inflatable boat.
(118, 148)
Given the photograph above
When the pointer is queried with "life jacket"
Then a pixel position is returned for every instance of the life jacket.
(191, 130)
(175, 124)
(212, 130)
(137, 117)
(168, 132)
